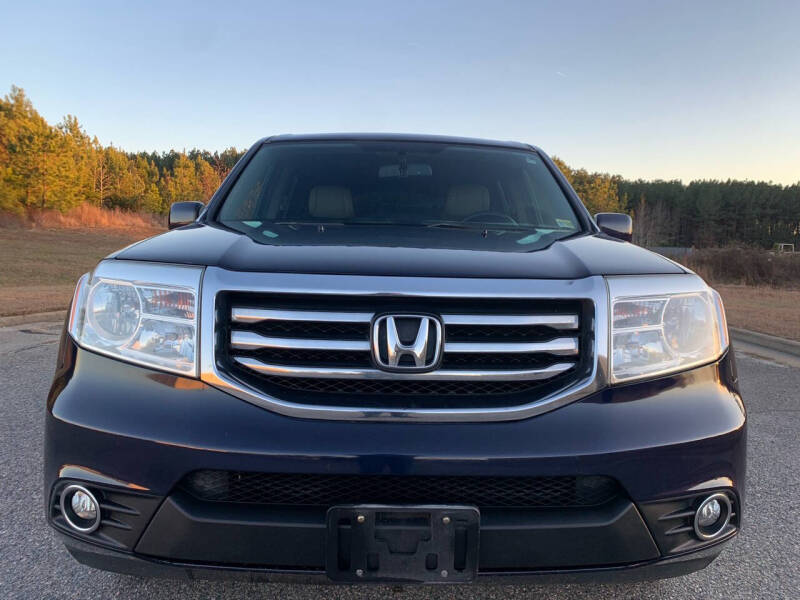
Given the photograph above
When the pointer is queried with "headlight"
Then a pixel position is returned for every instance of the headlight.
(143, 313)
(661, 325)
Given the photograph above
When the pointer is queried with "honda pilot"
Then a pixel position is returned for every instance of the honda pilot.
(394, 358)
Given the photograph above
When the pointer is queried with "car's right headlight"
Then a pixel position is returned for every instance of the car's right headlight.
(661, 325)
(144, 313)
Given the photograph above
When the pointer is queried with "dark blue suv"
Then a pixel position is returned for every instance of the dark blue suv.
(394, 358)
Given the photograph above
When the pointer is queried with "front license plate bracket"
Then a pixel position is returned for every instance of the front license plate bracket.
(413, 544)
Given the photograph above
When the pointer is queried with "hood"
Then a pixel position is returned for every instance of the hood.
(400, 252)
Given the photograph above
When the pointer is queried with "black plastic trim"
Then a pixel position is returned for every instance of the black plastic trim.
(190, 530)
(119, 562)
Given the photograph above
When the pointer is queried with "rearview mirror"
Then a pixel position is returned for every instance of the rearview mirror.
(616, 225)
(405, 170)
(184, 213)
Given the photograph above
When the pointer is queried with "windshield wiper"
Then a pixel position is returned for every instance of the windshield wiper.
(310, 223)
(350, 223)
(480, 226)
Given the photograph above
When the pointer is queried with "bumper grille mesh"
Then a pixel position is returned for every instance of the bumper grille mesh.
(331, 490)
(314, 330)
(389, 387)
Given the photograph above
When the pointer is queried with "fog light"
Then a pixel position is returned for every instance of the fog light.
(83, 505)
(707, 515)
(80, 508)
(712, 516)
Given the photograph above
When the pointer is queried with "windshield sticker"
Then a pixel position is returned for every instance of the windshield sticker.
(565, 223)
(534, 237)
(252, 223)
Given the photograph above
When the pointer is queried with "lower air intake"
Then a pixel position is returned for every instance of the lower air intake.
(331, 490)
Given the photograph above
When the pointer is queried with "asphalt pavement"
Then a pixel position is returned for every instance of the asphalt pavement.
(763, 562)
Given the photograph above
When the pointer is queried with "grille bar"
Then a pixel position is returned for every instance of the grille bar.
(247, 340)
(559, 346)
(554, 321)
(439, 375)
(255, 315)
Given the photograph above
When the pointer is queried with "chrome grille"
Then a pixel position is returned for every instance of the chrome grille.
(316, 350)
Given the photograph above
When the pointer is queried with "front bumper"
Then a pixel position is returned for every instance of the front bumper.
(133, 434)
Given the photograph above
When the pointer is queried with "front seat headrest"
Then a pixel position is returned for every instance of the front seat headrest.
(467, 199)
(330, 202)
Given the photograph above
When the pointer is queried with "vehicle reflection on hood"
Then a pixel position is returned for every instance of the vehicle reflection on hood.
(442, 235)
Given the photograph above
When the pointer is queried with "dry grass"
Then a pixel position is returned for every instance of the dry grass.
(39, 267)
(31, 299)
(763, 309)
(761, 289)
(87, 216)
(746, 266)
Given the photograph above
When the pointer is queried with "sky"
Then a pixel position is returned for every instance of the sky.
(643, 88)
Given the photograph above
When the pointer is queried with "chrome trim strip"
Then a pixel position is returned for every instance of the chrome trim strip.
(559, 346)
(254, 315)
(593, 288)
(438, 375)
(248, 340)
(554, 321)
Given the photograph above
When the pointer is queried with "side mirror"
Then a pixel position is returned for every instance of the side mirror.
(184, 213)
(616, 225)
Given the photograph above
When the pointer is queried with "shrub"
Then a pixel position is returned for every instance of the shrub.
(746, 266)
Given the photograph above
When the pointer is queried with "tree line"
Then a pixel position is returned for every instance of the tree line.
(60, 166)
(707, 214)
(701, 214)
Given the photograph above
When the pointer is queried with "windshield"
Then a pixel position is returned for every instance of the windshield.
(401, 184)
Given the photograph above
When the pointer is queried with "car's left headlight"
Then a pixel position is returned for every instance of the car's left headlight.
(663, 324)
(144, 313)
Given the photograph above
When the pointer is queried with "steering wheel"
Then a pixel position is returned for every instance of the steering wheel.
(494, 218)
